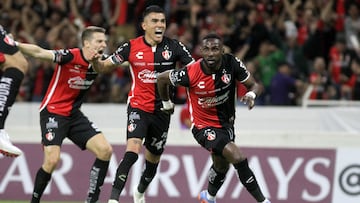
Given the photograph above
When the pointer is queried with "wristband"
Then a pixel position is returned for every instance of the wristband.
(167, 104)
(251, 94)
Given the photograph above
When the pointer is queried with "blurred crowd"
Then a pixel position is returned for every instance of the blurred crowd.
(288, 45)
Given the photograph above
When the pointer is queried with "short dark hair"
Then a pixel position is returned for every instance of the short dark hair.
(152, 9)
(87, 33)
(212, 35)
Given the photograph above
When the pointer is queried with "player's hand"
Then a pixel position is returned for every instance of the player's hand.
(95, 55)
(168, 107)
(249, 99)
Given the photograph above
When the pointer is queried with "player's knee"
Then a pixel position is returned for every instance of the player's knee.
(134, 145)
(221, 167)
(50, 163)
(105, 152)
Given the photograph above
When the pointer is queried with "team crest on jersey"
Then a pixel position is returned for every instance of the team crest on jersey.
(50, 136)
(166, 54)
(226, 78)
(210, 134)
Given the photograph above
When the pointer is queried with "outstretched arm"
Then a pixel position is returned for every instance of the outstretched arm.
(36, 51)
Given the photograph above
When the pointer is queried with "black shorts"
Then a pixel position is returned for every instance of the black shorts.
(153, 127)
(7, 45)
(77, 127)
(214, 139)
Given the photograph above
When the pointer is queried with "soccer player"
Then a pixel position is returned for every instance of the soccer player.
(14, 66)
(148, 56)
(60, 114)
(211, 86)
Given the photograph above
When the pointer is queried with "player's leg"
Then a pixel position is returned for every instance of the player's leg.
(217, 174)
(136, 130)
(54, 129)
(234, 155)
(133, 147)
(13, 67)
(86, 135)
(102, 150)
(43, 175)
(155, 141)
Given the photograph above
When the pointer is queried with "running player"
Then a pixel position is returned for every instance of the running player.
(211, 85)
(148, 56)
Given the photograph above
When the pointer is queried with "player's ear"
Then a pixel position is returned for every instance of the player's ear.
(143, 26)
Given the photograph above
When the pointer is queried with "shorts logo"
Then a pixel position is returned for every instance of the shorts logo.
(131, 127)
(50, 136)
(210, 134)
(52, 123)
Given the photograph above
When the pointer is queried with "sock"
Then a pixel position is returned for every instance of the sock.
(9, 88)
(122, 173)
(41, 180)
(248, 179)
(209, 196)
(216, 179)
(97, 176)
(147, 176)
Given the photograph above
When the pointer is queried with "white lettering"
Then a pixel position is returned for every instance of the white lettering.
(195, 183)
(318, 179)
(283, 178)
(164, 177)
(18, 172)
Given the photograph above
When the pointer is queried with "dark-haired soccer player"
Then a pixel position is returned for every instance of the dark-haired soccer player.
(60, 114)
(148, 56)
(211, 86)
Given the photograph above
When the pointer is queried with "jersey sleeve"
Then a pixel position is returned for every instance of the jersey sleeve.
(241, 72)
(121, 54)
(184, 54)
(179, 77)
(62, 56)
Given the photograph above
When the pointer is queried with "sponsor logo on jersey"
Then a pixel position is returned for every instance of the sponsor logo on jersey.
(139, 55)
(210, 134)
(201, 84)
(147, 76)
(208, 102)
(79, 83)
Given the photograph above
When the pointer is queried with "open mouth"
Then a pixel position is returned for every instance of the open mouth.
(100, 51)
(158, 33)
(210, 61)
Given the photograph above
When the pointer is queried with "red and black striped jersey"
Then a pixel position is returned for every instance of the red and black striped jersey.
(72, 78)
(212, 96)
(146, 62)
